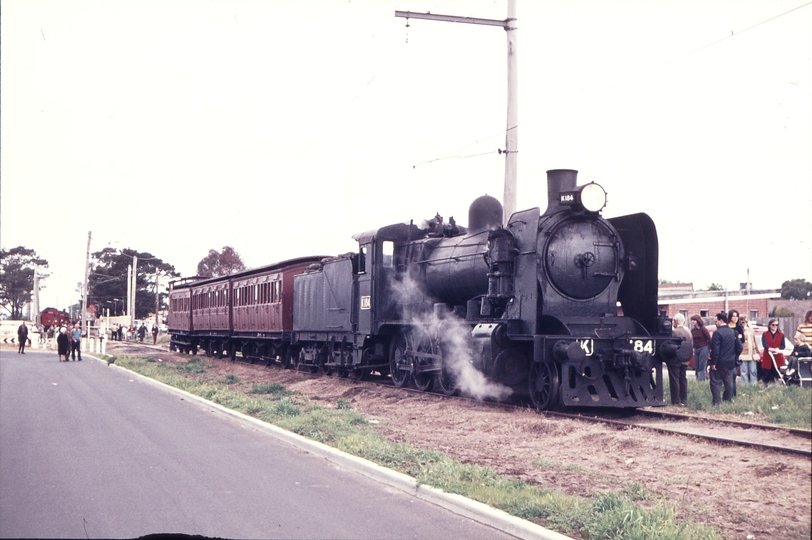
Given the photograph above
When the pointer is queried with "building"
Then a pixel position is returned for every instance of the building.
(681, 298)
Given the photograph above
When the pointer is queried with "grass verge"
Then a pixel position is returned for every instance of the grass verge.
(774, 404)
(605, 515)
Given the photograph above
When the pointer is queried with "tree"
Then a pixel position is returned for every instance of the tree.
(220, 264)
(782, 311)
(17, 278)
(796, 289)
(715, 287)
(107, 282)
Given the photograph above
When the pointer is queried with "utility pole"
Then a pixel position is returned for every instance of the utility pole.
(134, 288)
(37, 319)
(129, 288)
(157, 297)
(85, 322)
(512, 130)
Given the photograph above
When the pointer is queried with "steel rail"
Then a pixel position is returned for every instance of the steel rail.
(725, 440)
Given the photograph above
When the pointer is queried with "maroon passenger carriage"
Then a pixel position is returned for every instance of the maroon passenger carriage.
(250, 312)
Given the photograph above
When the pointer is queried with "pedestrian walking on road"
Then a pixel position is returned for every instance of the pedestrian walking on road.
(76, 342)
(22, 338)
(155, 334)
(62, 344)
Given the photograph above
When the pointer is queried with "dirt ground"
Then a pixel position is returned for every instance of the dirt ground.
(744, 493)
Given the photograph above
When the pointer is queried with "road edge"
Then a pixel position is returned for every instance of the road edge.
(463, 506)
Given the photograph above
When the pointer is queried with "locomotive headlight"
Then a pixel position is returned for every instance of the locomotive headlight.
(593, 197)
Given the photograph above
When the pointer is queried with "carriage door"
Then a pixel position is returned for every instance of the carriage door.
(363, 296)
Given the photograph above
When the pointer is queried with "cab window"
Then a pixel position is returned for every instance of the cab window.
(388, 249)
(362, 260)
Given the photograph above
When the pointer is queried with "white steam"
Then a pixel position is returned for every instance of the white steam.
(454, 335)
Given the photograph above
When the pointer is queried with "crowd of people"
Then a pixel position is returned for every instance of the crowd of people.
(69, 338)
(733, 347)
(121, 333)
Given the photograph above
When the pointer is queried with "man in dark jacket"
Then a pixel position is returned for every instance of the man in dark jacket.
(725, 349)
(22, 338)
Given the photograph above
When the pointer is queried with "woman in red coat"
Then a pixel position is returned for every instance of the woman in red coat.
(772, 341)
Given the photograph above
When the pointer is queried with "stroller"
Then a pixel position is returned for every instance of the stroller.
(798, 370)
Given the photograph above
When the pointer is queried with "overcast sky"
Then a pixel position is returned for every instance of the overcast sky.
(282, 128)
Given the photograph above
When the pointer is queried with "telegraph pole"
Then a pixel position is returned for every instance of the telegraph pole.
(85, 322)
(157, 296)
(37, 319)
(134, 288)
(129, 289)
(512, 130)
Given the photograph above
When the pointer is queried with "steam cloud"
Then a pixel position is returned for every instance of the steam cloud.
(455, 338)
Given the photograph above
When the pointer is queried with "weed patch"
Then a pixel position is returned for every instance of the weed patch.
(775, 404)
(275, 390)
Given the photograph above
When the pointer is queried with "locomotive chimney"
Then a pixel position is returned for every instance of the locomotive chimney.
(558, 181)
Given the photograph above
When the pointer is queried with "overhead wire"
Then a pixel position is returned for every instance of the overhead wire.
(615, 85)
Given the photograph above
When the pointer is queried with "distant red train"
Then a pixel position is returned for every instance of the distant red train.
(53, 317)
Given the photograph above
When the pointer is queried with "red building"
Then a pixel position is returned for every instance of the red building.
(681, 298)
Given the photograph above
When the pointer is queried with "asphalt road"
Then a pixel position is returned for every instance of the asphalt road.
(90, 451)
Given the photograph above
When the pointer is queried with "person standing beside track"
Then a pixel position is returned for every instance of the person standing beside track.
(677, 378)
(734, 322)
(772, 343)
(725, 349)
(750, 354)
(805, 328)
(702, 340)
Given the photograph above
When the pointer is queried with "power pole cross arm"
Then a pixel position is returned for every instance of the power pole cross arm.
(452, 18)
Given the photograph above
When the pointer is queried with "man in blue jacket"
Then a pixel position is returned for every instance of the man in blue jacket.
(725, 349)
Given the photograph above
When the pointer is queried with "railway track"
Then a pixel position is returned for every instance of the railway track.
(717, 430)
(773, 438)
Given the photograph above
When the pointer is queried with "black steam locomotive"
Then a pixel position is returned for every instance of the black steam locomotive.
(559, 306)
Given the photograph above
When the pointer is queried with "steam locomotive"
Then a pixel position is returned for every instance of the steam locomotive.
(559, 307)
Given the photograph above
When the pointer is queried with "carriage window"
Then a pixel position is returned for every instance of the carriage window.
(388, 249)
